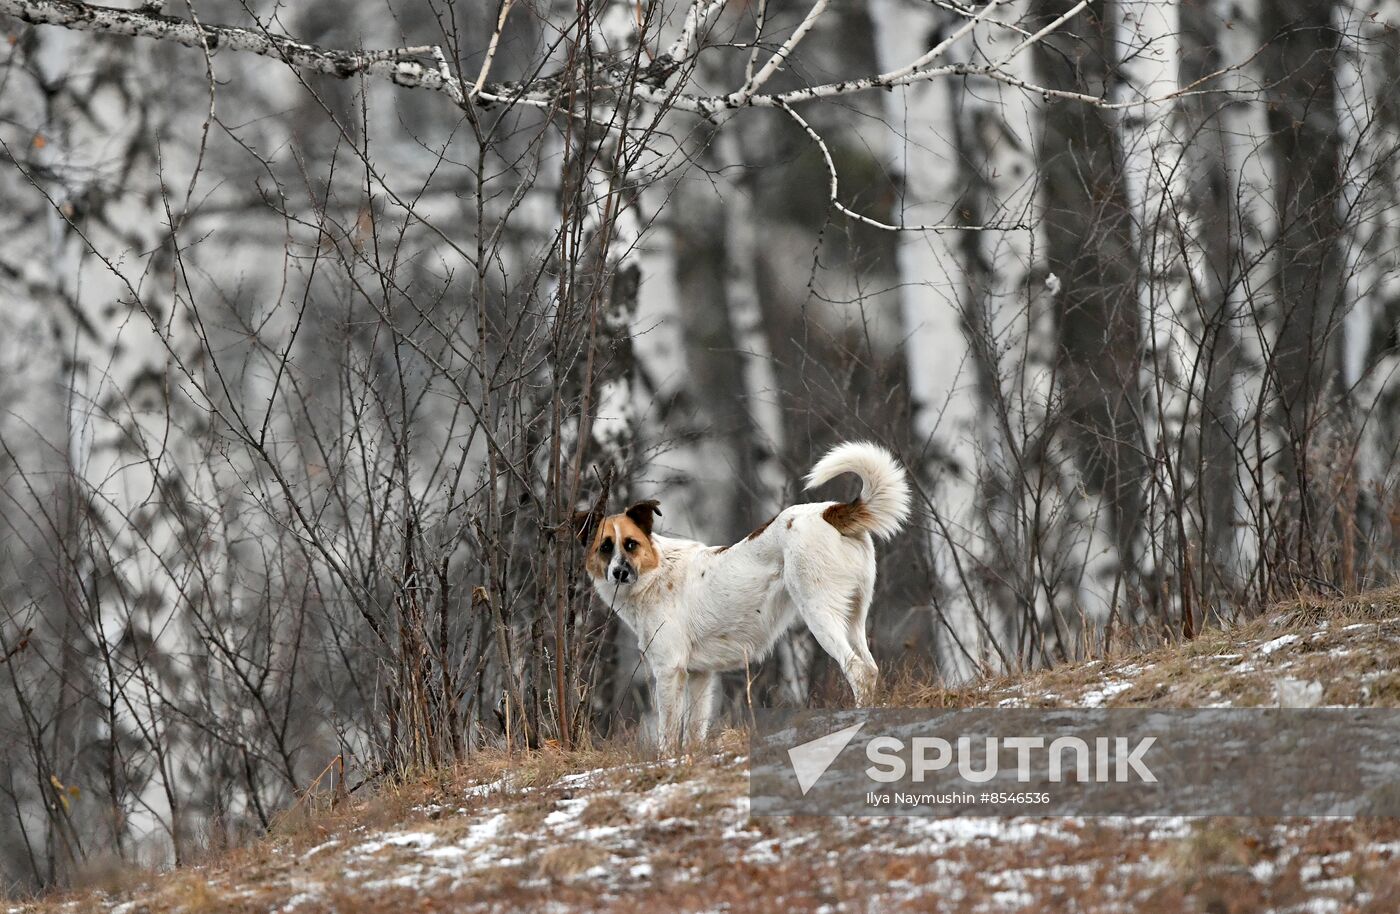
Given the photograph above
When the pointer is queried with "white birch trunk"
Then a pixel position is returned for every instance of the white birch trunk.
(977, 311)
(1173, 375)
(1368, 80)
(760, 382)
(942, 373)
(131, 419)
(1242, 132)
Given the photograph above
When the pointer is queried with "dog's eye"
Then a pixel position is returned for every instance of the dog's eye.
(630, 545)
(606, 548)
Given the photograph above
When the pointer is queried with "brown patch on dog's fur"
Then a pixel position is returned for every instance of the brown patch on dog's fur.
(619, 528)
(849, 519)
(764, 526)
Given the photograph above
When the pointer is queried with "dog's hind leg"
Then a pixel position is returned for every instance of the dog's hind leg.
(838, 624)
(855, 634)
(831, 579)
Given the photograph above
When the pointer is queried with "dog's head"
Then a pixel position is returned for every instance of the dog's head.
(620, 550)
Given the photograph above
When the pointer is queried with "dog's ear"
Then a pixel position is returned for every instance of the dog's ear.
(641, 514)
(586, 525)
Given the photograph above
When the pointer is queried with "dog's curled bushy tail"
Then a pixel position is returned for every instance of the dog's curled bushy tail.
(883, 504)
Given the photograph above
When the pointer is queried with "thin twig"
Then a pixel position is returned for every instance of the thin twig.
(781, 55)
(833, 190)
(491, 49)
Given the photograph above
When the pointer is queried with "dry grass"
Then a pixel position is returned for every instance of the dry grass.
(646, 834)
(568, 861)
(1351, 645)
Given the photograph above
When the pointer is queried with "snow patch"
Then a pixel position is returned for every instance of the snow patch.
(1103, 693)
(1278, 643)
(296, 901)
(1297, 693)
(569, 811)
(413, 839)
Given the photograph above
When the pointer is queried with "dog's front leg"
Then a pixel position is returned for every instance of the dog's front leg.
(700, 689)
(670, 707)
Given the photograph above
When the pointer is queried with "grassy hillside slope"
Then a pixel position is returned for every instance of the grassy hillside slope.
(613, 830)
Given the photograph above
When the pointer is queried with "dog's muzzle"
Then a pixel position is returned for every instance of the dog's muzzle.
(620, 572)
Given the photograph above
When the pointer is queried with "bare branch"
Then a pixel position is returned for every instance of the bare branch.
(19, 648)
(938, 49)
(781, 55)
(396, 64)
(696, 19)
(490, 49)
(834, 193)
(426, 67)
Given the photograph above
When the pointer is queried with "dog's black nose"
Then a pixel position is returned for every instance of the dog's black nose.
(621, 574)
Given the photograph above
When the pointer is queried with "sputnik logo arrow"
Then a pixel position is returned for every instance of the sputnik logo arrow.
(810, 760)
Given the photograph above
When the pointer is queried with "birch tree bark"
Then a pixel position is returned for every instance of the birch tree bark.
(1299, 64)
(1369, 115)
(1031, 544)
(135, 435)
(1210, 235)
(962, 149)
(731, 493)
(1184, 315)
(830, 312)
(1090, 249)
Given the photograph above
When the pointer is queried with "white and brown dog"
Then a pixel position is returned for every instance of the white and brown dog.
(700, 610)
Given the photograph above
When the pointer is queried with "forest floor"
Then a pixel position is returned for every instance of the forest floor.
(612, 830)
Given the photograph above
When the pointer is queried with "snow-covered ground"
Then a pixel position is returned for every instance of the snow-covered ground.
(632, 839)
